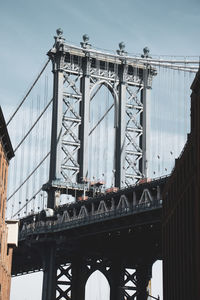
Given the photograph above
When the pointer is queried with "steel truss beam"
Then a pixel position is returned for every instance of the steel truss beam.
(103, 208)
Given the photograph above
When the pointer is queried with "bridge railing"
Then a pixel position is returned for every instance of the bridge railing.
(64, 222)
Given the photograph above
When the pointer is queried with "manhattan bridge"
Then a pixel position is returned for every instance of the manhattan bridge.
(94, 146)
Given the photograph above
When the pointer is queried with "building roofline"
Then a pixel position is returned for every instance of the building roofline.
(5, 137)
(196, 83)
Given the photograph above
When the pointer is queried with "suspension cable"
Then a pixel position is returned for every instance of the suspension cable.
(33, 126)
(98, 88)
(191, 69)
(138, 58)
(28, 176)
(101, 119)
(32, 86)
(27, 202)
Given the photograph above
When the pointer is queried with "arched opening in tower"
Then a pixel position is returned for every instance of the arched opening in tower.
(102, 136)
(97, 287)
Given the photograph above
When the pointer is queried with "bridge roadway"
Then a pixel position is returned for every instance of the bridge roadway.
(126, 224)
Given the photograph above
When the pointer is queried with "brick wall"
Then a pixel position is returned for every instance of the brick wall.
(5, 252)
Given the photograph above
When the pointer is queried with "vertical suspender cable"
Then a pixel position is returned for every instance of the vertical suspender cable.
(38, 174)
(91, 148)
(159, 99)
(179, 110)
(45, 131)
(20, 195)
(185, 105)
(20, 169)
(98, 141)
(29, 140)
(106, 138)
(35, 148)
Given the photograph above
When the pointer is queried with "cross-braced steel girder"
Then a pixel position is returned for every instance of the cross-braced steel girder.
(64, 282)
(79, 74)
(68, 281)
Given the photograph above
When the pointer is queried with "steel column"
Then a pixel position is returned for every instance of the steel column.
(55, 158)
(120, 131)
(49, 277)
(145, 95)
(78, 280)
(57, 58)
(116, 281)
(84, 127)
(143, 274)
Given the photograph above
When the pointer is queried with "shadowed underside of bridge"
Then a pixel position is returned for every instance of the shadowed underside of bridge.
(120, 237)
(118, 234)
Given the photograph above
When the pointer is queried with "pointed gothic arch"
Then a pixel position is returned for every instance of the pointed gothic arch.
(113, 92)
(102, 287)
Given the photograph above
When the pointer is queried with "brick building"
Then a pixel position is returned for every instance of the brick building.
(181, 215)
(7, 239)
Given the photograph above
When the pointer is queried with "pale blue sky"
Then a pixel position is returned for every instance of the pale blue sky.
(27, 29)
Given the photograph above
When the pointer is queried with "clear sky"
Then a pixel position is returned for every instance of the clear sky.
(27, 29)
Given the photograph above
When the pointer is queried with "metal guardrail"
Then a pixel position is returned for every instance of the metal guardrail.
(49, 226)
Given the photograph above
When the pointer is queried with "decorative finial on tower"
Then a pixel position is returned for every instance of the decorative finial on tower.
(86, 38)
(146, 53)
(122, 46)
(59, 32)
(59, 39)
(121, 49)
(85, 44)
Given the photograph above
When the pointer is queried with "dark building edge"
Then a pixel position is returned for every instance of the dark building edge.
(8, 229)
(181, 215)
(5, 137)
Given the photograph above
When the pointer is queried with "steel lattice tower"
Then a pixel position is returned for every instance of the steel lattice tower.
(78, 73)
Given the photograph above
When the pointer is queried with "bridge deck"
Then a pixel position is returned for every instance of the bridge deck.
(109, 225)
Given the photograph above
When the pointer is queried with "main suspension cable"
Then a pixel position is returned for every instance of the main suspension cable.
(28, 176)
(25, 97)
(101, 119)
(29, 131)
(33, 197)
